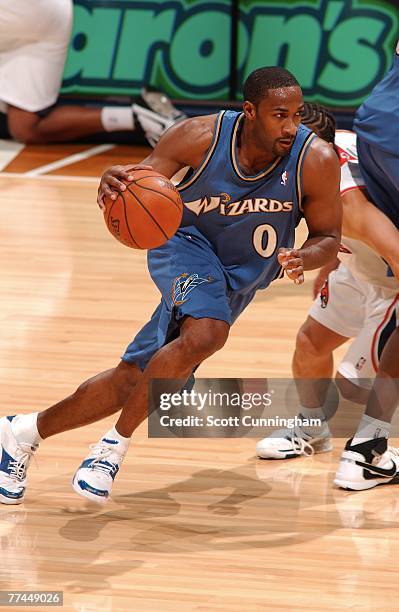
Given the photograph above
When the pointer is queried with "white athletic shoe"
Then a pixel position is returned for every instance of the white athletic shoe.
(152, 124)
(14, 462)
(95, 476)
(159, 103)
(288, 443)
(366, 465)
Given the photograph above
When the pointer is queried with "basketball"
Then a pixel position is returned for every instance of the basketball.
(147, 213)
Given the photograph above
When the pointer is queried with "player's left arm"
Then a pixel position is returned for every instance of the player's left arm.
(322, 209)
(364, 221)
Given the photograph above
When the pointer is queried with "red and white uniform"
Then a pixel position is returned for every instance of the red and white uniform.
(359, 300)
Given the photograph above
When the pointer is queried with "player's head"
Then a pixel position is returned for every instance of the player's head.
(319, 119)
(273, 105)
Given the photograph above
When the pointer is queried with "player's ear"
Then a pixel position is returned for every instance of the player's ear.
(249, 109)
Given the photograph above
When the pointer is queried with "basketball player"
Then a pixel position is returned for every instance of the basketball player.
(359, 299)
(34, 39)
(377, 128)
(253, 176)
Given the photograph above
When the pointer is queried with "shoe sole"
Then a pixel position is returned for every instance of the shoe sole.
(318, 447)
(100, 501)
(350, 485)
(11, 501)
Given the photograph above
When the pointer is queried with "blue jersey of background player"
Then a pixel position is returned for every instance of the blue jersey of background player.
(377, 127)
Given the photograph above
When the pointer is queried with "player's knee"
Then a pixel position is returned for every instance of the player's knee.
(313, 340)
(23, 126)
(349, 391)
(305, 342)
(117, 383)
(126, 376)
(23, 133)
(200, 344)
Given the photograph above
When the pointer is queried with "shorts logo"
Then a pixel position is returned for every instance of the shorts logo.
(324, 295)
(183, 285)
(360, 363)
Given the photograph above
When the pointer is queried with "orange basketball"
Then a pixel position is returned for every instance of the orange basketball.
(147, 213)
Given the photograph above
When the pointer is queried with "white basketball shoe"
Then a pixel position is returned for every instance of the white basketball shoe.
(14, 462)
(95, 476)
(366, 465)
(288, 443)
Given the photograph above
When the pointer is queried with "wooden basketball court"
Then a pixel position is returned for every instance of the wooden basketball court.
(193, 524)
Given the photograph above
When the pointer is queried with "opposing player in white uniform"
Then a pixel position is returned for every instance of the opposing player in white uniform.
(34, 39)
(359, 298)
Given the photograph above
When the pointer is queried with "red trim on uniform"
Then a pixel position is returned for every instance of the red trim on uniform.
(377, 331)
(363, 187)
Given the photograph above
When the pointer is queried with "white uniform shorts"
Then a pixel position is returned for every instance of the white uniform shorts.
(34, 39)
(359, 310)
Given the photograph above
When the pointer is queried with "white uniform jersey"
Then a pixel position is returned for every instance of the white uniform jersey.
(364, 263)
(34, 37)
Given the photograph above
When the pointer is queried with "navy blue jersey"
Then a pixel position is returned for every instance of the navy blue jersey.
(244, 219)
(377, 120)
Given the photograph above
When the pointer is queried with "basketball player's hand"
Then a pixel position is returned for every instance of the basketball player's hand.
(291, 262)
(111, 181)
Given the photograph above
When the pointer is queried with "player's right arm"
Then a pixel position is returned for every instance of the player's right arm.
(364, 221)
(184, 144)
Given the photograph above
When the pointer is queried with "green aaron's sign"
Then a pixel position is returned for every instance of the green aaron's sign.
(338, 49)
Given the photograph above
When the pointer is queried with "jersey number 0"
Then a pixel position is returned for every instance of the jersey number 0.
(265, 240)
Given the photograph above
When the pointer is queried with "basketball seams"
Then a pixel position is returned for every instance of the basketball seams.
(154, 218)
(156, 191)
(148, 212)
(127, 222)
(154, 175)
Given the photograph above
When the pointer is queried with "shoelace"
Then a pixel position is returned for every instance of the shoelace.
(19, 465)
(299, 444)
(101, 451)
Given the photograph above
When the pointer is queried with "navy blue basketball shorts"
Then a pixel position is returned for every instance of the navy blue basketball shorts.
(192, 283)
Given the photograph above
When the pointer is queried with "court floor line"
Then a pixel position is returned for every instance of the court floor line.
(9, 151)
(67, 161)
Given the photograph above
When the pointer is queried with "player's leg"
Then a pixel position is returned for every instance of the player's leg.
(384, 396)
(193, 323)
(198, 339)
(69, 122)
(61, 123)
(96, 398)
(312, 368)
(335, 316)
(20, 435)
(367, 460)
